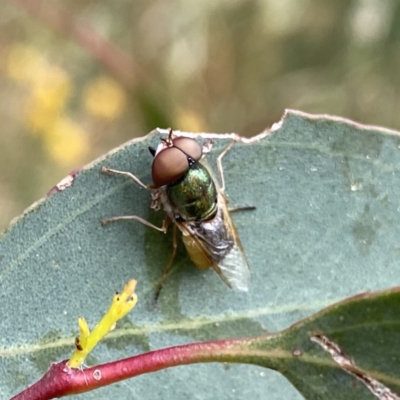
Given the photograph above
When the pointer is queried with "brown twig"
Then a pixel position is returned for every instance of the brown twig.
(62, 380)
(118, 63)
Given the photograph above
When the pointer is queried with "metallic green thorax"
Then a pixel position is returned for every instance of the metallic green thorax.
(194, 196)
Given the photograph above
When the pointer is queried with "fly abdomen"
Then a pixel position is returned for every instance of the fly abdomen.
(215, 236)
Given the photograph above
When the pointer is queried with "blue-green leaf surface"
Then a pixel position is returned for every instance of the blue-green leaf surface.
(327, 226)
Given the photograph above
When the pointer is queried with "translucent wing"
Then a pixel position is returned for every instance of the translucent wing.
(215, 243)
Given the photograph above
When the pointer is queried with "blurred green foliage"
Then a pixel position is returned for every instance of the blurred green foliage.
(218, 66)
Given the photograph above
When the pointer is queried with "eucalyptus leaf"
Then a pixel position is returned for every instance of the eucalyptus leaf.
(346, 351)
(326, 227)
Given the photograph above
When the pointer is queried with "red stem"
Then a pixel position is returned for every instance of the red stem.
(61, 380)
(118, 63)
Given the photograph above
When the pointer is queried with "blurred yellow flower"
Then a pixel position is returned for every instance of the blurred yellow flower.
(49, 88)
(104, 98)
(189, 121)
(47, 99)
(67, 142)
(23, 63)
(52, 87)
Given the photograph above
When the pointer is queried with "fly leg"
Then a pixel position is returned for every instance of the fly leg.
(127, 174)
(221, 174)
(163, 228)
(168, 267)
(207, 146)
(242, 208)
(133, 217)
(219, 165)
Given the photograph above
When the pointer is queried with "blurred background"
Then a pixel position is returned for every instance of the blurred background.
(78, 78)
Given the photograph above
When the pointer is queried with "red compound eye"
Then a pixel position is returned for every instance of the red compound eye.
(172, 162)
(188, 146)
(168, 166)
